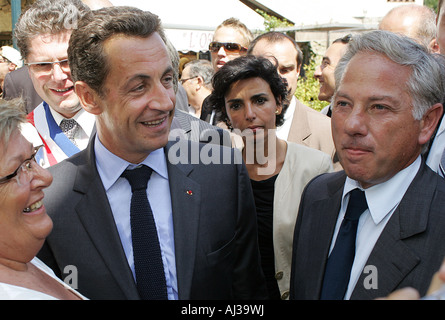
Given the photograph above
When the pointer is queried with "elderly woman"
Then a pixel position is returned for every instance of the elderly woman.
(24, 223)
(250, 96)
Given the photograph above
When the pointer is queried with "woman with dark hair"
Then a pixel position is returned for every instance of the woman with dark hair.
(250, 96)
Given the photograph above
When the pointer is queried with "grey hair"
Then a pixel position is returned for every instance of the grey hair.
(202, 68)
(425, 85)
(12, 115)
(47, 17)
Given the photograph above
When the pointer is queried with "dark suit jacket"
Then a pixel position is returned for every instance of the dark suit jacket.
(18, 83)
(216, 247)
(408, 252)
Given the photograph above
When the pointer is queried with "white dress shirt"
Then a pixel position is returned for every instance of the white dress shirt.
(86, 123)
(382, 200)
(118, 189)
(437, 148)
(284, 129)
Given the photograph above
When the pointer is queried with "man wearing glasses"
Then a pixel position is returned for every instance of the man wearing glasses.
(10, 59)
(230, 41)
(43, 33)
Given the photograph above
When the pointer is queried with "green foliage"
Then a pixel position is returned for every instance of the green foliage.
(308, 87)
(432, 4)
(271, 23)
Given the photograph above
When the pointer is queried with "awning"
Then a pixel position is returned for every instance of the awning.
(190, 24)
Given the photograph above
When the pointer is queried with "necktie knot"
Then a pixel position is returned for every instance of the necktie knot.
(357, 205)
(69, 126)
(138, 178)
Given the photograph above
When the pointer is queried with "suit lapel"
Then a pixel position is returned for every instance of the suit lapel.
(322, 224)
(186, 198)
(300, 129)
(96, 216)
(391, 256)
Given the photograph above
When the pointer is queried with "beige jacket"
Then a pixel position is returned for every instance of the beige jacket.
(313, 129)
(300, 166)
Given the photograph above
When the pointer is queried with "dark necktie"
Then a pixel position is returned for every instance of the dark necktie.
(149, 269)
(339, 264)
(70, 128)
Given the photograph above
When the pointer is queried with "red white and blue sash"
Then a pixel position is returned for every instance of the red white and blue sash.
(57, 145)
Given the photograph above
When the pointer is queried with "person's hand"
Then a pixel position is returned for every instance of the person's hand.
(403, 294)
(437, 282)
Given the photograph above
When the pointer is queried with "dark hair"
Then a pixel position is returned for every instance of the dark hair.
(242, 68)
(273, 37)
(86, 56)
(345, 40)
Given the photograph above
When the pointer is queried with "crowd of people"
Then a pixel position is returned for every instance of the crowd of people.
(219, 184)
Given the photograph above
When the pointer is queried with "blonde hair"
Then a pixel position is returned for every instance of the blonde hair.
(241, 27)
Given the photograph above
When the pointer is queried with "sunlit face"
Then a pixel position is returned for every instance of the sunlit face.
(373, 127)
(325, 73)
(5, 68)
(250, 104)
(226, 34)
(57, 87)
(286, 55)
(137, 108)
(24, 224)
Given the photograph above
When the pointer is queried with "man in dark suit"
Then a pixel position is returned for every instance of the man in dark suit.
(387, 103)
(19, 84)
(206, 230)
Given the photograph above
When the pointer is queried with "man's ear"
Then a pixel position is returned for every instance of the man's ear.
(200, 82)
(429, 123)
(434, 46)
(89, 99)
(12, 66)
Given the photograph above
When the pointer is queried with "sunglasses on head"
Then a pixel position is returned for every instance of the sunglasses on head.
(228, 46)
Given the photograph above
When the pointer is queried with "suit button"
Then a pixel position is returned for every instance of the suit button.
(285, 295)
(279, 275)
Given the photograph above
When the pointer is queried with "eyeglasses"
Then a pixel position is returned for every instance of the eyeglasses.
(186, 79)
(24, 172)
(3, 59)
(228, 46)
(46, 67)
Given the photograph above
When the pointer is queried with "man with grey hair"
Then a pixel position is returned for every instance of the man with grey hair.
(196, 79)
(42, 34)
(413, 20)
(378, 225)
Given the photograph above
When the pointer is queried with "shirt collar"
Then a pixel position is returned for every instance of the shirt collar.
(384, 197)
(110, 166)
(290, 109)
(85, 120)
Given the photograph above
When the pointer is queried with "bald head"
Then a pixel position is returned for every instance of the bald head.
(415, 21)
(97, 4)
